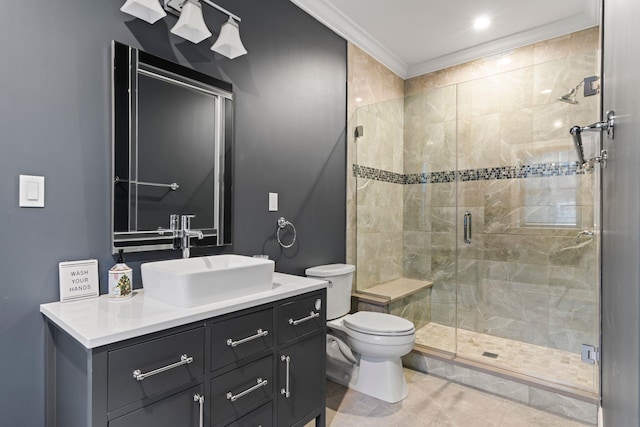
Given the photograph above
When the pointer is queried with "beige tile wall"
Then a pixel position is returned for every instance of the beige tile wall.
(375, 101)
(518, 281)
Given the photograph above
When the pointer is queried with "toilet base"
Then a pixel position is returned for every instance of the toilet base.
(379, 378)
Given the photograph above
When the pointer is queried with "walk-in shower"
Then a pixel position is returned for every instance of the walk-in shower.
(490, 146)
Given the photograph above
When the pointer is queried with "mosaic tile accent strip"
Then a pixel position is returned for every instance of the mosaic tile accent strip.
(483, 174)
(378, 174)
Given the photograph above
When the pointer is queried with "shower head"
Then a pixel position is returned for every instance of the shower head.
(576, 133)
(570, 98)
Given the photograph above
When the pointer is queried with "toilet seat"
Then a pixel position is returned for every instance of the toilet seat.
(380, 324)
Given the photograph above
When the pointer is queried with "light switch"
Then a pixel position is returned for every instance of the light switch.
(273, 202)
(31, 191)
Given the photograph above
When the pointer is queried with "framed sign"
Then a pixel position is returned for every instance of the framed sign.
(78, 280)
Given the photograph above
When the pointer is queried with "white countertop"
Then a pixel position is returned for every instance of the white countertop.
(99, 321)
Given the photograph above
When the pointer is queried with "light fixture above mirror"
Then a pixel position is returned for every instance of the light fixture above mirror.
(191, 25)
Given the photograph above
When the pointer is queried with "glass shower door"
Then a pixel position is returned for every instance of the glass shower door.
(527, 274)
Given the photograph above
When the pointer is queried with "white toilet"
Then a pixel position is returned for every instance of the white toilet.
(369, 361)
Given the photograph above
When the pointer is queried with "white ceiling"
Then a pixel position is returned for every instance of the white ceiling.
(414, 37)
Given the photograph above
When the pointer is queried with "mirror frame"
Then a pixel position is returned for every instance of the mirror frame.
(127, 63)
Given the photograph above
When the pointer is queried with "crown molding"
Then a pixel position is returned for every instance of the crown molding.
(544, 32)
(342, 25)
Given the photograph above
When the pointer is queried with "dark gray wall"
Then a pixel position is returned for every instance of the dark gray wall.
(55, 120)
(621, 228)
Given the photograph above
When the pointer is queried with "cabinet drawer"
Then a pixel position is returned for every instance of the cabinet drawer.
(181, 409)
(237, 338)
(301, 316)
(261, 417)
(238, 391)
(150, 357)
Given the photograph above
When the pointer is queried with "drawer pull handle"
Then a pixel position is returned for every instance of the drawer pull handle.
(259, 333)
(285, 391)
(311, 315)
(200, 400)
(184, 360)
(260, 383)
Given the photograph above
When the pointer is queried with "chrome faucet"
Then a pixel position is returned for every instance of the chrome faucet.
(187, 233)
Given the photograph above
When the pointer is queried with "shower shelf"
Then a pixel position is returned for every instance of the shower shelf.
(392, 291)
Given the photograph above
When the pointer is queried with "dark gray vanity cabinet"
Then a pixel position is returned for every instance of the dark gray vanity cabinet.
(260, 366)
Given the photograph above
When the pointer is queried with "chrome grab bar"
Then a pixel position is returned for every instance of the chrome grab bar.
(259, 333)
(200, 400)
(312, 315)
(467, 227)
(260, 383)
(184, 360)
(285, 391)
(576, 133)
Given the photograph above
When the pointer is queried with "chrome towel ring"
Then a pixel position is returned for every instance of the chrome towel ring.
(282, 223)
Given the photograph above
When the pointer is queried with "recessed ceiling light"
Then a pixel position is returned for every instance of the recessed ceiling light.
(481, 22)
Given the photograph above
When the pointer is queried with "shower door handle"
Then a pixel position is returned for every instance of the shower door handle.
(467, 227)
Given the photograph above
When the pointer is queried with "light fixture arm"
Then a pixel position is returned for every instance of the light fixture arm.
(221, 9)
(175, 6)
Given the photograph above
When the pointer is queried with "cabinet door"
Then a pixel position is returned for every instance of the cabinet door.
(181, 409)
(301, 379)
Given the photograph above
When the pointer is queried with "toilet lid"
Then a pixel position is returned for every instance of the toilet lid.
(373, 323)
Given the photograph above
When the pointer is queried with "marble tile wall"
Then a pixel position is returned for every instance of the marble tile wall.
(524, 277)
(369, 83)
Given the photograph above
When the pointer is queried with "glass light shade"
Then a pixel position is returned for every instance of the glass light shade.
(191, 25)
(229, 43)
(147, 10)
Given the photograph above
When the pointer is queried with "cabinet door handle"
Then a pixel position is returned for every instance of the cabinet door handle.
(260, 383)
(184, 360)
(259, 333)
(200, 400)
(286, 391)
(312, 315)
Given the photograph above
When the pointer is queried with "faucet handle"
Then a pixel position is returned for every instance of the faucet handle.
(186, 221)
(174, 223)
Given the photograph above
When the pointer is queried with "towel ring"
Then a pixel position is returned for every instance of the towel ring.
(282, 223)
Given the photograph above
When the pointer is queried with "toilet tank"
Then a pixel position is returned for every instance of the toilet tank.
(340, 277)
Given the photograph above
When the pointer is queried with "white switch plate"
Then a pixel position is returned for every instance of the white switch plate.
(273, 202)
(31, 191)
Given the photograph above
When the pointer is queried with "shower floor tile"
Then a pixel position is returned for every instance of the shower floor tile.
(549, 364)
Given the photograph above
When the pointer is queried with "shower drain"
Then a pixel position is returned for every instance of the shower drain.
(491, 355)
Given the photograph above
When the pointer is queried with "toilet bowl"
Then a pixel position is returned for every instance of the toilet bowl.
(363, 348)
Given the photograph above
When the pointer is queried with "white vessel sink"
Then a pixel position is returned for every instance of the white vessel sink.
(204, 280)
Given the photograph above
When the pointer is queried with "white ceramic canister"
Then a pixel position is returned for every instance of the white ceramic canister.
(120, 280)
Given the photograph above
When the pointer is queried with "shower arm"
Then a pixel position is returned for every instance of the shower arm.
(576, 133)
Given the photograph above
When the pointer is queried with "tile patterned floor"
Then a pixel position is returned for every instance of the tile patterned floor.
(433, 402)
(541, 362)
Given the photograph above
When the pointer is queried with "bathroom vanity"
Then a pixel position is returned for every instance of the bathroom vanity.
(249, 361)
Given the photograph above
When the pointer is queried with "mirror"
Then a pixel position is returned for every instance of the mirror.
(172, 142)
